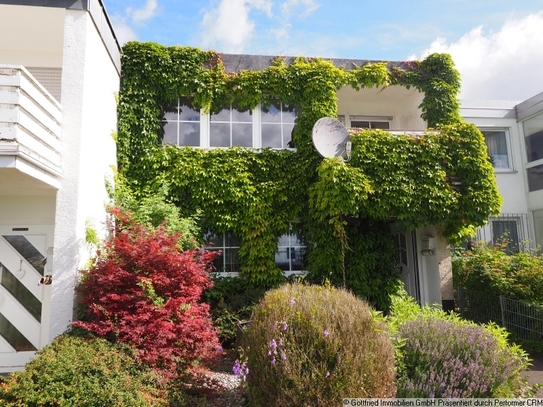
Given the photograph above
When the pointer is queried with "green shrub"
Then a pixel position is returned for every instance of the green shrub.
(493, 271)
(74, 371)
(232, 300)
(313, 345)
(442, 355)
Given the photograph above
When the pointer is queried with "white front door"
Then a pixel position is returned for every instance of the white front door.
(25, 263)
(406, 261)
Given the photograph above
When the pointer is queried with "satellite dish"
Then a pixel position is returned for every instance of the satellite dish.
(331, 138)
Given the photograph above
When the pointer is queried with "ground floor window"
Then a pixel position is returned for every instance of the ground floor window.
(510, 228)
(289, 257)
(291, 253)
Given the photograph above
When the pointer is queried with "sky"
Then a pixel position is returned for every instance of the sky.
(497, 45)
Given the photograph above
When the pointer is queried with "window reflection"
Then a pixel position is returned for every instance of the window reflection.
(533, 132)
(277, 125)
(231, 127)
(496, 143)
(291, 253)
(182, 123)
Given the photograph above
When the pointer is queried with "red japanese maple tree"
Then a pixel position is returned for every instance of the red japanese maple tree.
(143, 291)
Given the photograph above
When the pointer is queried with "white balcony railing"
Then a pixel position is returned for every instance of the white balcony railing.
(30, 126)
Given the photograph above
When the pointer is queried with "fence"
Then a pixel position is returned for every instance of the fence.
(522, 319)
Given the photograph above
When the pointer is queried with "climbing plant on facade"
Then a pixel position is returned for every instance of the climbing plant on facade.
(257, 194)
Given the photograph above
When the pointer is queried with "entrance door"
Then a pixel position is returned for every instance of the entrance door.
(406, 261)
(24, 299)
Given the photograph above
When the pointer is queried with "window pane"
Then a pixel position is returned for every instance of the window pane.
(231, 240)
(242, 135)
(221, 116)
(360, 124)
(271, 135)
(189, 134)
(170, 111)
(535, 178)
(170, 133)
(271, 113)
(506, 229)
(213, 240)
(290, 254)
(243, 116)
(282, 258)
(534, 146)
(289, 113)
(188, 112)
(287, 135)
(380, 125)
(496, 143)
(533, 131)
(219, 135)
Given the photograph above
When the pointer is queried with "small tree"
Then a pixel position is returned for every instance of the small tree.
(143, 291)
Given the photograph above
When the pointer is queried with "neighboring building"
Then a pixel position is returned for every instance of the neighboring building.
(59, 76)
(514, 136)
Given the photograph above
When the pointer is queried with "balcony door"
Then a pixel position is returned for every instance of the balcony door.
(406, 261)
(25, 263)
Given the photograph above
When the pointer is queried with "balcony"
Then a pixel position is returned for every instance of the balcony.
(30, 133)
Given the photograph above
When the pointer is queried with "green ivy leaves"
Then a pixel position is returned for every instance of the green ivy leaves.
(443, 178)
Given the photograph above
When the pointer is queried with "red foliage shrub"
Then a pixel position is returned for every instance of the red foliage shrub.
(143, 291)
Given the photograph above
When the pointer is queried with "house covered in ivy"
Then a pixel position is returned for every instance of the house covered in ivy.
(229, 137)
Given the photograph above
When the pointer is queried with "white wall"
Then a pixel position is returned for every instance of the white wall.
(27, 210)
(511, 182)
(89, 86)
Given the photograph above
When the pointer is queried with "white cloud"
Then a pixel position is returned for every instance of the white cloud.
(301, 8)
(499, 65)
(123, 32)
(229, 26)
(145, 13)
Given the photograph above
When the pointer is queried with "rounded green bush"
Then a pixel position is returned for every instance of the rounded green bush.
(313, 345)
(74, 371)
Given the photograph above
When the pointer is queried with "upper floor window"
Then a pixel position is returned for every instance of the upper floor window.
(496, 143)
(277, 124)
(366, 122)
(270, 124)
(533, 133)
(231, 127)
(182, 123)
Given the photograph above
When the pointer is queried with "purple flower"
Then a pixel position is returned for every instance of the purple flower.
(327, 374)
(326, 333)
(237, 368)
(284, 327)
(291, 302)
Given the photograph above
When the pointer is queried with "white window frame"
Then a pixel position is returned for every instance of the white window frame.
(347, 119)
(507, 132)
(205, 129)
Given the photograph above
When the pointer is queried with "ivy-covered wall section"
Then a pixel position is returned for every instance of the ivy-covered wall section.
(342, 209)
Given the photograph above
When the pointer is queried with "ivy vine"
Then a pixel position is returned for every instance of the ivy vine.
(441, 178)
